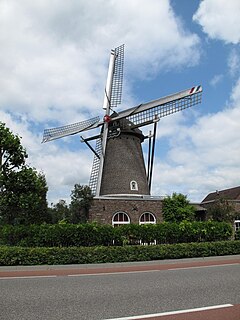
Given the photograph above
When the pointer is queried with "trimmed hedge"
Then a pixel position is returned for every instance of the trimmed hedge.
(91, 234)
(237, 234)
(82, 255)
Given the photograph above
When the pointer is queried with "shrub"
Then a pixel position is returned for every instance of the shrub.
(91, 234)
(177, 208)
(237, 234)
(82, 255)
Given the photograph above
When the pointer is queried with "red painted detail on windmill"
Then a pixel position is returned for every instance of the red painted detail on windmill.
(107, 118)
(195, 89)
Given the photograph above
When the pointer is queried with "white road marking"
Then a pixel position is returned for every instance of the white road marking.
(146, 316)
(145, 271)
(110, 273)
(211, 266)
(118, 272)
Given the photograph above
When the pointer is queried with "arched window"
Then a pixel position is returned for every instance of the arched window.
(120, 218)
(133, 185)
(147, 217)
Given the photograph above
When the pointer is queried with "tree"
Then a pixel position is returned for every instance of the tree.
(177, 208)
(222, 210)
(81, 198)
(23, 199)
(59, 212)
(12, 153)
(22, 189)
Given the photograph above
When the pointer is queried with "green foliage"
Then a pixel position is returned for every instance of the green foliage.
(81, 198)
(22, 189)
(91, 234)
(10, 256)
(222, 210)
(12, 154)
(177, 208)
(23, 200)
(237, 234)
(59, 212)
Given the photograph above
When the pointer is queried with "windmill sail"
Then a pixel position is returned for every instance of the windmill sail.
(116, 92)
(95, 167)
(146, 113)
(113, 93)
(60, 132)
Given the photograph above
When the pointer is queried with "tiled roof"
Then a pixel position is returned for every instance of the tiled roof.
(229, 194)
(199, 207)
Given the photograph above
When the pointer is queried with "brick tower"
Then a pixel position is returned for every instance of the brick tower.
(124, 169)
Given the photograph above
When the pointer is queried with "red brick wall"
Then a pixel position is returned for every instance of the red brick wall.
(102, 210)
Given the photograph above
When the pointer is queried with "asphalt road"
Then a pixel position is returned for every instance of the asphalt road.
(111, 295)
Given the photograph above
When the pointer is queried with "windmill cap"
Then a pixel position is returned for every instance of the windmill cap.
(125, 126)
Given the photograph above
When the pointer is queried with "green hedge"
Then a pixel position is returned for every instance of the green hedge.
(237, 234)
(81, 255)
(91, 234)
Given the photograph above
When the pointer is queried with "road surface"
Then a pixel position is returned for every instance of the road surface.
(187, 289)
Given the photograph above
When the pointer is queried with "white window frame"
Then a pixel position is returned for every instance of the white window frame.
(236, 225)
(117, 223)
(147, 222)
(133, 185)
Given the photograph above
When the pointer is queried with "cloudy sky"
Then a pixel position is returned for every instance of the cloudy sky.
(53, 66)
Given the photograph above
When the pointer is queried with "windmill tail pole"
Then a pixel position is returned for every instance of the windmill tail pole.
(149, 153)
(106, 106)
(89, 146)
(152, 153)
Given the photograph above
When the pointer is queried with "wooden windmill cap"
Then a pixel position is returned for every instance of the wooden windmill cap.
(125, 126)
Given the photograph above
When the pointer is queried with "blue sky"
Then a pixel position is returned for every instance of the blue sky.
(53, 67)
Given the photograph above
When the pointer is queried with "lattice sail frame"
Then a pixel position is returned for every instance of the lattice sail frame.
(95, 167)
(60, 132)
(117, 82)
(146, 113)
(113, 93)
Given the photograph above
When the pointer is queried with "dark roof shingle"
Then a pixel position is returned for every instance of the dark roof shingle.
(229, 194)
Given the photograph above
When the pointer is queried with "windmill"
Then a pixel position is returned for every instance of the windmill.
(118, 164)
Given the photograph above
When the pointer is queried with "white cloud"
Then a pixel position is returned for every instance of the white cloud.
(63, 170)
(54, 54)
(234, 62)
(216, 80)
(220, 19)
(53, 65)
(205, 157)
(235, 95)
